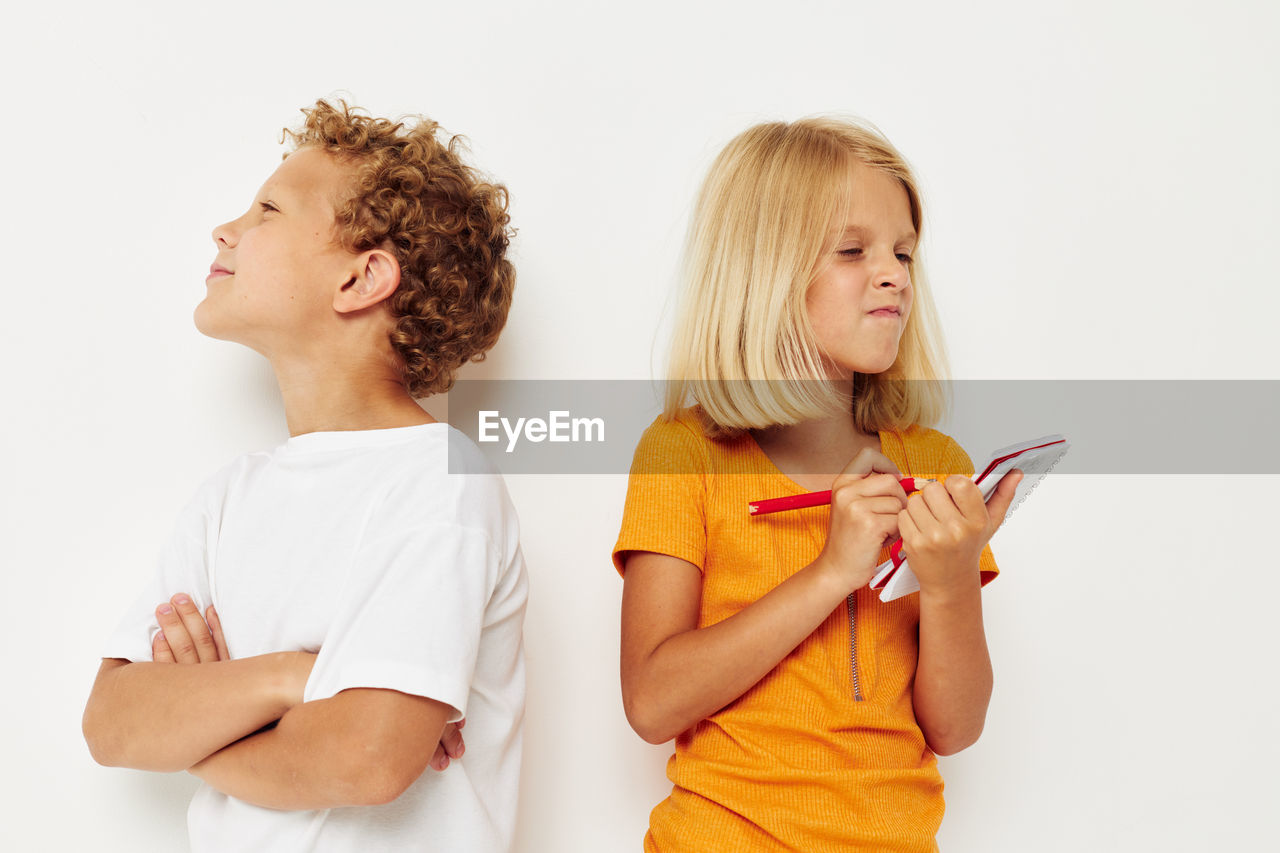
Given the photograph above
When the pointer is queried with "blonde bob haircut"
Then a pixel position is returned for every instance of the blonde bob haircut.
(766, 222)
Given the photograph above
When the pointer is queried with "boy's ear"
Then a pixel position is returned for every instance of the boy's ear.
(376, 276)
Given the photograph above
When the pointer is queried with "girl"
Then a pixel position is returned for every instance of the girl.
(806, 712)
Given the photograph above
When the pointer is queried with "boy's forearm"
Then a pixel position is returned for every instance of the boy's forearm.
(953, 673)
(361, 747)
(167, 717)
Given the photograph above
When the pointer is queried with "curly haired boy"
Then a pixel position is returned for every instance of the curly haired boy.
(328, 611)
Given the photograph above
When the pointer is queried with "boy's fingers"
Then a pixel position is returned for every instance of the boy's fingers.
(451, 740)
(175, 634)
(439, 760)
(160, 651)
(219, 640)
(201, 639)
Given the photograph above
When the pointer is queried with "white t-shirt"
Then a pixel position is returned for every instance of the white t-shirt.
(374, 549)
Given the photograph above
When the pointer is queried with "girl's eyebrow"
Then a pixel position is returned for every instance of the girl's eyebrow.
(860, 229)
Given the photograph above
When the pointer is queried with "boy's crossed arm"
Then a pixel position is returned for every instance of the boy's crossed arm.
(158, 716)
(362, 746)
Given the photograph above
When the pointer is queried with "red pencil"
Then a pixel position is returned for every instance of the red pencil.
(808, 499)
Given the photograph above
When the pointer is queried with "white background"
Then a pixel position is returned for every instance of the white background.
(1101, 188)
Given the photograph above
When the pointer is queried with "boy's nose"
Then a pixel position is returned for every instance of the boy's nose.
(224, 234)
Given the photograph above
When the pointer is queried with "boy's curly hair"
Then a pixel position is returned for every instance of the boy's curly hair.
(447, 226)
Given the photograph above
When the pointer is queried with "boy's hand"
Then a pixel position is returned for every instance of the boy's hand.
(450, 746)
(945, 527)
(185, 636)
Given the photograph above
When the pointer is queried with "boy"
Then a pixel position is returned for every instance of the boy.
(366, 594)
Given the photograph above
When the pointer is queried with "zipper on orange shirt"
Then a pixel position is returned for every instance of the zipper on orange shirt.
(853, 646)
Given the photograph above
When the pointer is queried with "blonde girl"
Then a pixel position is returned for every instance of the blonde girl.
(806, 713)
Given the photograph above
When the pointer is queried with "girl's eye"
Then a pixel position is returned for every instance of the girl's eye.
(268, 207)
(854, 252)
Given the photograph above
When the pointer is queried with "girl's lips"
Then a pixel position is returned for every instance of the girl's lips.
(885, 312)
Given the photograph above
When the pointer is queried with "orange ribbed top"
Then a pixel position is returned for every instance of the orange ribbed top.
(795, 763)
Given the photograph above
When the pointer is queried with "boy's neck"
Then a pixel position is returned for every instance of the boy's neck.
(335, 398)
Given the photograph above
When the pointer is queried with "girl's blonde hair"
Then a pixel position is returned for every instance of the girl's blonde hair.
(764, 225)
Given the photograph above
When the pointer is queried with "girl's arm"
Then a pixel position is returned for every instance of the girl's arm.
(675, 674)
(944, 530)
(953, 675)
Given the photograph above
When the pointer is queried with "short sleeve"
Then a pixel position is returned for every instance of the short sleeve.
(956, 461)
(182, 566)
(411, 616)
(665, 509)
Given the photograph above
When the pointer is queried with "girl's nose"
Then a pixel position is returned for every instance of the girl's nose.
(893, 276)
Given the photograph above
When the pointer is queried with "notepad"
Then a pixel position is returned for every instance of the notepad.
(1034, 458)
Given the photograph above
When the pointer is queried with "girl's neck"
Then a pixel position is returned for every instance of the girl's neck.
(813, 452)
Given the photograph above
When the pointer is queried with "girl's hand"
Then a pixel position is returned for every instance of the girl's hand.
(945, 527)
(866, 500)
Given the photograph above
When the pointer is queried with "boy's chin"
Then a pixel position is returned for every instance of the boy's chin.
(211, 326)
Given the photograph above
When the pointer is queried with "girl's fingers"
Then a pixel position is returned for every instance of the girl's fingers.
(942, 506)
(869, 462)
(907, 529)
(921, 511)
(967, 496)
(160, 651)
(219, 640)
(998, 506)
(205, 648)
(439, 760)
(884, 505)
(868, 487)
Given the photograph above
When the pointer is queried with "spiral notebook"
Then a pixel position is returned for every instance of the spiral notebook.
(1034, 458)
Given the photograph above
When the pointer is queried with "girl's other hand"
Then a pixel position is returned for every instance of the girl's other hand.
(946, 525)
(865, 502)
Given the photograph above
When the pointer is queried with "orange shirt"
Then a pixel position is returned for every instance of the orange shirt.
(797, 762)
